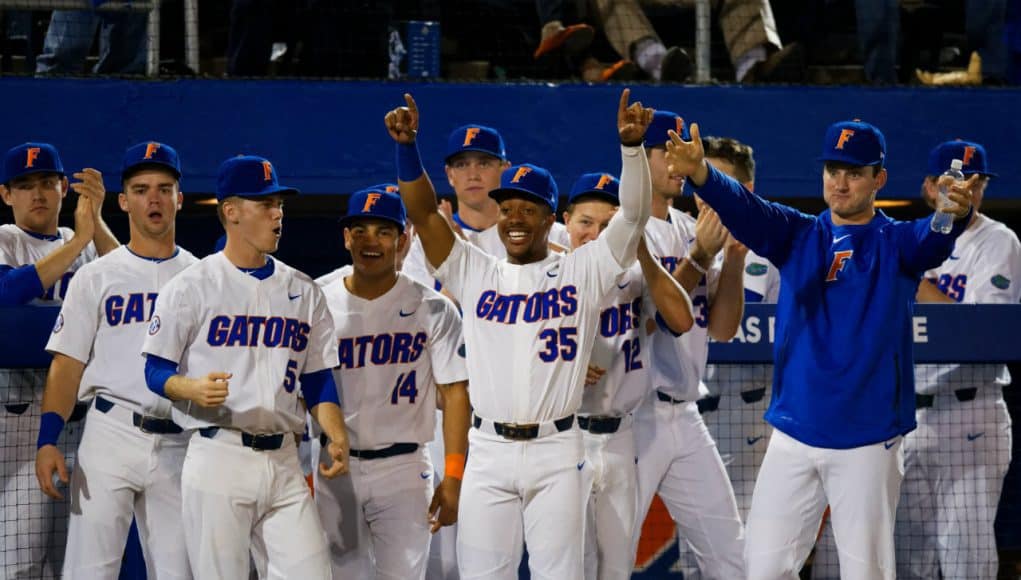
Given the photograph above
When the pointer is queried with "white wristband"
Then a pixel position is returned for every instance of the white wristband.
(697, 266)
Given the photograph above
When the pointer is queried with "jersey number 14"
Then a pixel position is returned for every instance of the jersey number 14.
(404, 387)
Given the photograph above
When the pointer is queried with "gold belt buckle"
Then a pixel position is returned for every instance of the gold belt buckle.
(520, 431)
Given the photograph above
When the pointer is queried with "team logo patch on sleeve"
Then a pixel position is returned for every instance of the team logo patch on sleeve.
(154, 326)
(59, 324)
(1000, 281)
(755, 269)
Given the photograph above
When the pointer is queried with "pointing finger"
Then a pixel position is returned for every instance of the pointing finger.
(411, 103)
(624, 96)
(696, 136)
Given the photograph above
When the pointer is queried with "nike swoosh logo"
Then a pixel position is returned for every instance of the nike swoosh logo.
(890, 444)
(972, 437)
(955, 257)
(295, 297)
(626, 284)
(553, 274)
(406, 314)
(425, 474)
(580, 465)
(754, 440)
(835, 239)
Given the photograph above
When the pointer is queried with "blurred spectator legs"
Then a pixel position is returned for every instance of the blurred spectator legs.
(878, 31)
(122, 42)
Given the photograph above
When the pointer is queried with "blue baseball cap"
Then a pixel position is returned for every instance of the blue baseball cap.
(249, 176)
(375, 202)
(30, 158)
(151, 153)
(854, 143)
(527, 181)
(663, 121)
(602, 186)
(475, 138)
(972, 156)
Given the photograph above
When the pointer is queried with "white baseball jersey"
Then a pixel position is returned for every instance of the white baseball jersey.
(415, 266)
(214, 317)
(678, 363)
(393, 350)
(985, 268)
(529, 329)
(105, 314)
(621, 348)
(761, 279)
(489, 239)
(20, 248)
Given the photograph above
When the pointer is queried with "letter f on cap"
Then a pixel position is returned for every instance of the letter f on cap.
(603, 180)
(151, 149)
(30, 156)
(267, 171)
(469, 136)
(521, 172)
(845, 136)
(370, 200)
(969, 152)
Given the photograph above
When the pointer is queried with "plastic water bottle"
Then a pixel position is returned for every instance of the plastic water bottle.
(943, 220)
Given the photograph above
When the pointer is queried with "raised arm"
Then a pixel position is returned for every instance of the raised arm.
(673, 305)
(923, 249)
(415, 187)
(767, 228)
(628, 225)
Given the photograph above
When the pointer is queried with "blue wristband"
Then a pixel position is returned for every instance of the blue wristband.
(50, 426)
(409, 162)
(157, 372)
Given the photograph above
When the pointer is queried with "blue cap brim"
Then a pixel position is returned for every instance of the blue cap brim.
(271, 190)
(33, 171)
(503, 193)
(344, 221)
(848, 160)
(595, 193)
(150, 163)
(475, 149)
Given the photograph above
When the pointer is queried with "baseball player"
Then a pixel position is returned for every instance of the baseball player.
(738, 394)
(399, 344)
(843, 342)
(37, 261)
(618, 378)
(955, 462)
(129, 461)
(529, 324)
(231, 339)
(677, 458)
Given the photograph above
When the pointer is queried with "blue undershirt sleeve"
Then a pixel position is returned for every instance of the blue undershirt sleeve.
(319, 387)
(19, 285)
(157, 372)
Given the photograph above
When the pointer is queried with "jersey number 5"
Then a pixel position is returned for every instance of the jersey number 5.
(404, 387)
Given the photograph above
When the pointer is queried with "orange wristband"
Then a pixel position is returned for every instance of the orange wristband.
(454, 466)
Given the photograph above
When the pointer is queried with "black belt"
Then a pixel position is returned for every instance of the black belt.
(145, 423)
(962, 395)
(519, 431)
(77, 414)
(599, 425)
(708, 404)
(665, 398)
(391, 451)
(256, 441)
(753, 395)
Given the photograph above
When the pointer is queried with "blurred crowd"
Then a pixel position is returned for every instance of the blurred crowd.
(934, 42)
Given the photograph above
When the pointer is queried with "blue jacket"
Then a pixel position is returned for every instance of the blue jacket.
(843, 348)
